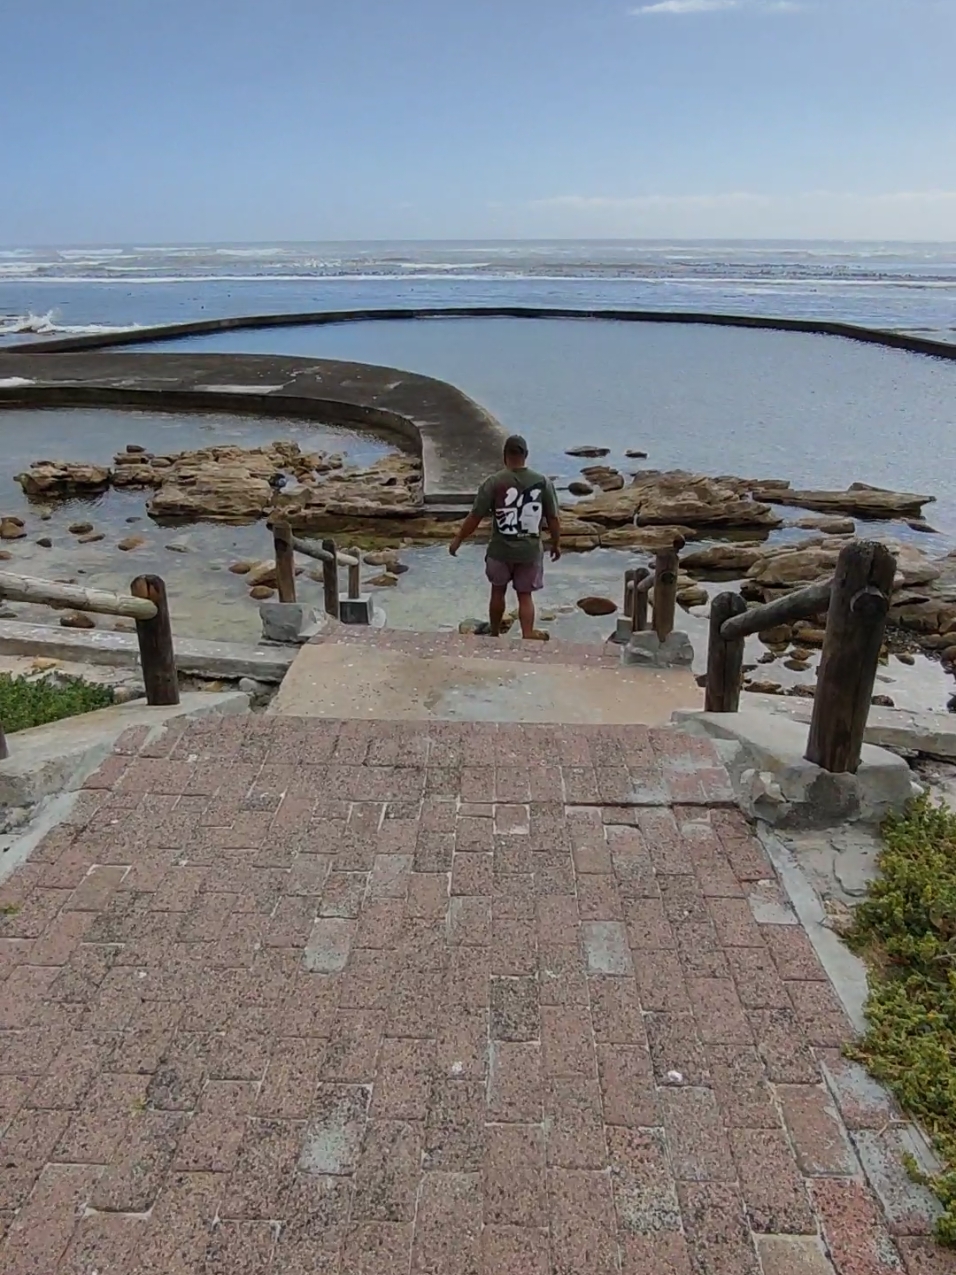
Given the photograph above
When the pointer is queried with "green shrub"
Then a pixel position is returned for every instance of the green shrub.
(26, 702)
(906, 929)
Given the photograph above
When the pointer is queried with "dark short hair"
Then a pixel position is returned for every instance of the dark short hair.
(515, 445)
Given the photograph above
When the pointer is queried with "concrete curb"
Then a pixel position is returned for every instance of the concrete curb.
(58, 757)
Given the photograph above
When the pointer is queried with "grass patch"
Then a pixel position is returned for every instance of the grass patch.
(25, 702)
(906, 930)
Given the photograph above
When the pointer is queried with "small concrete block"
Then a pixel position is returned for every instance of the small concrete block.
(792, 1255)
(622, 634)
(329, 944)
(290, 622)
(334, 1135)
(606, 948)
(358, 610)
(646, 649)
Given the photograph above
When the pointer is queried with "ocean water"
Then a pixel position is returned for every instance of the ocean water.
(908, 287)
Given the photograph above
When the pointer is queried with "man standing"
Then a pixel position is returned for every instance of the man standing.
(518, 499)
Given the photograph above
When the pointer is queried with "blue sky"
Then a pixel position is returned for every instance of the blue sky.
(192, 120)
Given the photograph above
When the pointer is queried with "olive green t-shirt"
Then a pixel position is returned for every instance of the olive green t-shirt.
(518, 500)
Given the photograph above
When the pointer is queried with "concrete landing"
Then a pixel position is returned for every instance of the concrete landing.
(393, 677)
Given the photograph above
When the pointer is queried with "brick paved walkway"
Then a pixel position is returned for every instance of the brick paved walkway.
(302, 996)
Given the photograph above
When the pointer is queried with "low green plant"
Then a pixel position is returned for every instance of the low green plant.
(26, 702)
(906, 930)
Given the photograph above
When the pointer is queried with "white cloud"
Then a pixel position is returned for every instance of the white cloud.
(684, 7)
(742, 214)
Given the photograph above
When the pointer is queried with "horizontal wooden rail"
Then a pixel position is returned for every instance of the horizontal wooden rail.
(795, 606)
(51, 593)
(323, 555)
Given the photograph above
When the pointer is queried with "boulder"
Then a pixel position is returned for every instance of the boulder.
(242, 568)
(656, 498)
(694, 596)
(917, 617)
(222, 493)
(131, 542)
(633, 454)
(794, 566)
(587, 451)
(650, 538)
(859, 500)
(832, 526)
(603, 476)
(262, 573)
(730, 557)
(91, 538)
(260, 592)
(80, 528)
(46, 478)
(11, 529)
(763, 688)
(77, 620)
(580, 488)
(597, 606)
(45, 542)
(808, 634)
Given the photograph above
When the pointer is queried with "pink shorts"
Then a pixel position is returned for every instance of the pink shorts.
(527, 577)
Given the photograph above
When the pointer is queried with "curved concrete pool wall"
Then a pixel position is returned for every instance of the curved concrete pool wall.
(459, 442)
(201, 327)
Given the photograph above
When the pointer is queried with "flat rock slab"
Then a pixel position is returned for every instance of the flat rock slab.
(553, 1036)
(337, 680)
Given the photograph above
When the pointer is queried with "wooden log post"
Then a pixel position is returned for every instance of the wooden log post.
(156, 644)
(856, 622)
(725, 657)
(285, 561)
(665, 592)
(330, 579)
(355, 572)
(638, 612)
(628, 607)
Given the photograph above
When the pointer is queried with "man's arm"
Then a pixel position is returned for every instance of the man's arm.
(465, 532)
(479, 511)
(553, 521)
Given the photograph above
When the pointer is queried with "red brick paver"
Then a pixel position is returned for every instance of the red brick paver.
(376, 999)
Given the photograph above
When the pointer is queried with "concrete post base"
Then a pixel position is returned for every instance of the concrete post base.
(646, 649)
(357, 610)
(289, 622)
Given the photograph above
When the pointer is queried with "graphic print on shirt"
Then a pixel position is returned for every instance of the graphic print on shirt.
(518, 513)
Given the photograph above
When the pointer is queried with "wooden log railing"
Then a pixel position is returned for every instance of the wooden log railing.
(856, 602)
(146, 604)
(659, 586)
(287, 545)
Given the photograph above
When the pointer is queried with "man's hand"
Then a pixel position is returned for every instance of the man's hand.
(454, 546)
(555, 552)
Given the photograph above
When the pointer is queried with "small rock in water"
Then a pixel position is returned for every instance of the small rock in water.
(906, 657)
(801, 692)
(882, 701)
(176, 546)
(633, 454)
(263, 573)
(768, 657)
(134, 518)
(597, 606)
(587, 451)
(134, 449)
(694, 596)
(131, 542)
(314, 573)
(920, 524)
(580, 488)
(798, 666)
(122, 625)
(763, 688)
(259, 592)
(76, 620)
(91, 538)
(384, 581)
(80, 528)
(45, 542)
(381, 558)
(11, 529)
(242, 568)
